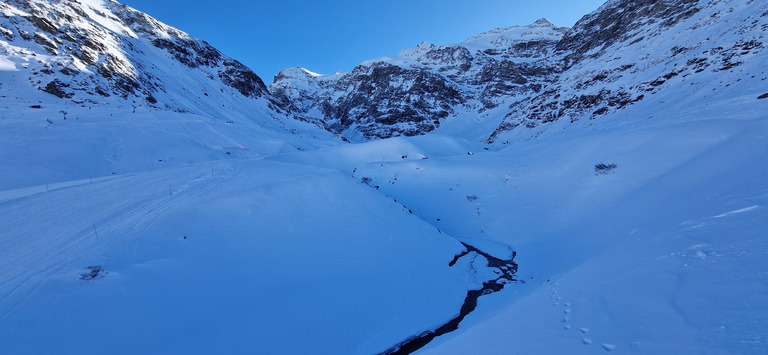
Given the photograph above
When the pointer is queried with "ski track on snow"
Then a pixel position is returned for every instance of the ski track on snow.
(115, 224)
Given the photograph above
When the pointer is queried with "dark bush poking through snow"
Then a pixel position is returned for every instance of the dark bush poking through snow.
(96, 272)
(602, 168)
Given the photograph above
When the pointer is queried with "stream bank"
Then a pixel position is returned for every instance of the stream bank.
(507, 270)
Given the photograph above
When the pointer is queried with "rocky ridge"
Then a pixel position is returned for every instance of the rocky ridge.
(517, 81)
(414, 92)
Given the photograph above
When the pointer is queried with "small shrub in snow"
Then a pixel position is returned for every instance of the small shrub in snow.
(366, 180)
(602, 168)
(471, 198)
(96, 272)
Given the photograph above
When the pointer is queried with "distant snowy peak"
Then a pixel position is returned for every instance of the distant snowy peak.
(541, 30)
(519, 42)
(295, 73)
(304, 75)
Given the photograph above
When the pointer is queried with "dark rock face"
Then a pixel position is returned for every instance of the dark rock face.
(448, 58)
(57, 88)
(243, 79)
(414, 101)
(191, 53)
(504, 71)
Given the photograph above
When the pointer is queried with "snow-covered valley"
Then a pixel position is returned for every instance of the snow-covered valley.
(666, 253)
(216, 221)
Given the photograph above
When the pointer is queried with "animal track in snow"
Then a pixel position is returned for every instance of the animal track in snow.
(583, 331)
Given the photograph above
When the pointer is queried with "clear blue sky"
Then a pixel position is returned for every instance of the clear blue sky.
(325, 36)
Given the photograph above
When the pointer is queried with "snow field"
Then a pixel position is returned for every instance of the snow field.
(299, 252)
(276, 257)
(39, 146)
(663, 254)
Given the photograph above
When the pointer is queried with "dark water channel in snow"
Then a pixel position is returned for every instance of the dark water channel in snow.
(507, 269)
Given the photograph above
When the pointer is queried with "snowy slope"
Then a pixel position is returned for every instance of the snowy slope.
(648, 258)
(230, 255)
(663, 254)
(64, 142)
(185, 226)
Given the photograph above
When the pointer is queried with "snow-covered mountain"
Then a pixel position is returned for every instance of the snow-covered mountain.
(543, 190)
(417, 90)
(96, 52)
(69, 67)
(513, 83)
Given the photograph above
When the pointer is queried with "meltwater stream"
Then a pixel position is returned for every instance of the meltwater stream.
(507, 269)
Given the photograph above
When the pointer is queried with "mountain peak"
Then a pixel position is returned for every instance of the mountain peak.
(505, 36)
(542, 22)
